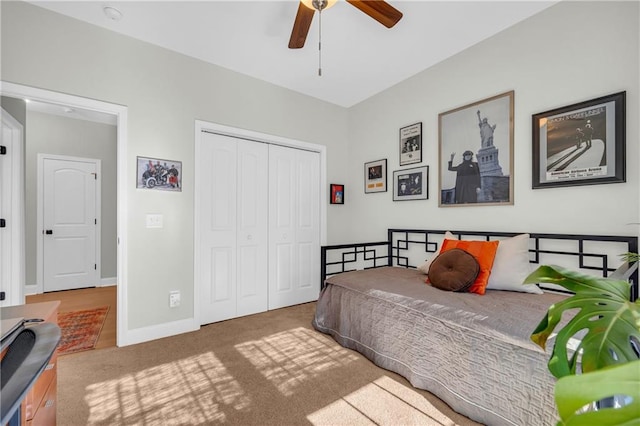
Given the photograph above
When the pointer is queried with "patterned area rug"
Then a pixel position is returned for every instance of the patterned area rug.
(80, 329)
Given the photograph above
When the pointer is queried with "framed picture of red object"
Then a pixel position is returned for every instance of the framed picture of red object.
(336, 194)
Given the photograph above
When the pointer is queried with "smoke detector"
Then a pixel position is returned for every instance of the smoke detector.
(112, 13)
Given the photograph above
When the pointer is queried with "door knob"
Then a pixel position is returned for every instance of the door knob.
(49, 232)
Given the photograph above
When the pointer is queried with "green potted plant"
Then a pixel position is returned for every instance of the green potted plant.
(599, 378)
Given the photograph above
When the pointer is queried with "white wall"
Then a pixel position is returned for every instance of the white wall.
(571, 52)
(165, 93)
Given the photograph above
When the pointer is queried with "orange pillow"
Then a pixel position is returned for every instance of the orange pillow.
(483, 251)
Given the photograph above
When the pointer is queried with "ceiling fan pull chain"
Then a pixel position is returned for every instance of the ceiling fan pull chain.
(319, 42)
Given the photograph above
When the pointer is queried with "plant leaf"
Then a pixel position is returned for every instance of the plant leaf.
(630, 257)
(574, 392)
(605, 315)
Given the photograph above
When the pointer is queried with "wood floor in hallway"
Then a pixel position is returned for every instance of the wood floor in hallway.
(87, 298)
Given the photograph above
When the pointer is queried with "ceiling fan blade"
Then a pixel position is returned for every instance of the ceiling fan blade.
(379, 10)
(301, 26)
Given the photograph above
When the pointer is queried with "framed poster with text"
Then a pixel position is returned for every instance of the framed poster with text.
(580, 144)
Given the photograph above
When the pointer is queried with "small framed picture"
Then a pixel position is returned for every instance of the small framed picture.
(156, 173)
(411, 144)
(375, 176)
(580, 144)
(336, 194)
(411, 184)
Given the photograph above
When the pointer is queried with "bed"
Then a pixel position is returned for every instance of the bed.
(473, 351)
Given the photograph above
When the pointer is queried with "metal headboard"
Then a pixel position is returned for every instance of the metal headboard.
(407, 247)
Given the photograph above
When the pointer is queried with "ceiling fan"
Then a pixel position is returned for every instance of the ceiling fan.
(379, 10)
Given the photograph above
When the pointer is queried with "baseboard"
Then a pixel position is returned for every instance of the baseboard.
(106, 282)
(145, 334)
(31, 289)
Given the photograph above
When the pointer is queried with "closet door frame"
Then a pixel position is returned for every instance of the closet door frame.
(205, 126)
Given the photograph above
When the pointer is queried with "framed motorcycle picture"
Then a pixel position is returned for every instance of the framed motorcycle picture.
(159, 174)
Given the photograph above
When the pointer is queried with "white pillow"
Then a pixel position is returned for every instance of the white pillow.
(424, 268)
(511, 266)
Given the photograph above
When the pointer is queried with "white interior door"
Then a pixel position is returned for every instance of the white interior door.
(294, 226)
(233, 227)
(69, 224)
(12, 268)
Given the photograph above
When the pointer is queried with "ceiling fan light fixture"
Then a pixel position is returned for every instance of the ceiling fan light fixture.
(318, 4)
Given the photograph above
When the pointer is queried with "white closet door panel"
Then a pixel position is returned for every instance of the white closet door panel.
(308, 226)
(305, 265)
(305, 196)
(284, 269)
(252, 229)
(252, 186)
(223, 188)
(249, 278)
(218, 245)
(222, 290)
(282, 184)
(282, 175)
(251, 282)
(294, 237)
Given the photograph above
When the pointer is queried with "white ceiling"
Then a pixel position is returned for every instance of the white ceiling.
(360, 57)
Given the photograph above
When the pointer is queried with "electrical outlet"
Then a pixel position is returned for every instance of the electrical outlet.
(154, 221)
(174, 299)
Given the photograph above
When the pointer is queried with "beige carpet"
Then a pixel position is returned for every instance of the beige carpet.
(265, 369)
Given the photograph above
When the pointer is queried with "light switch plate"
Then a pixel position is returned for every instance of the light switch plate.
(154, 221)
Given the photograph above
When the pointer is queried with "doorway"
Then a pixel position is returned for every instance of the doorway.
(120, 114)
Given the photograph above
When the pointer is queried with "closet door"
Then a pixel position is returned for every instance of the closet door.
(233, 224)
(294, 226)
(252, 227)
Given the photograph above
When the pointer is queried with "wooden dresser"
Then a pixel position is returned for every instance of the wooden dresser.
(39, 406)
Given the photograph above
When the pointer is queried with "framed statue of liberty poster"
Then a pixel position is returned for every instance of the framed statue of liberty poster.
(476, 153)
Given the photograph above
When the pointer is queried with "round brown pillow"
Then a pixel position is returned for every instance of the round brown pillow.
(453, 270)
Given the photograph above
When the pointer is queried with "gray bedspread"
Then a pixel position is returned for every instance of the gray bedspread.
(471, 351)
